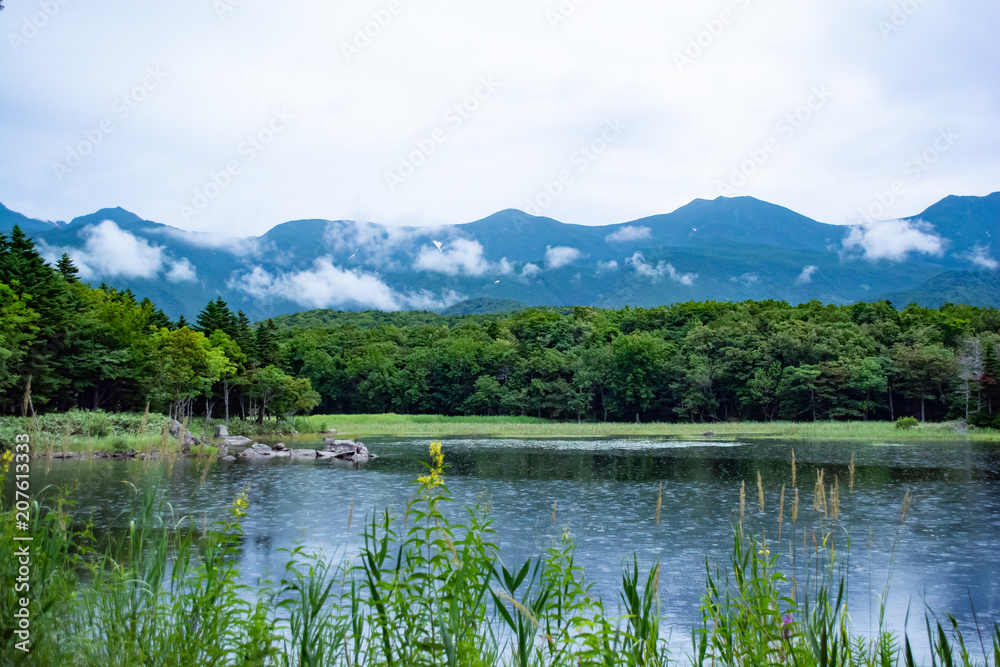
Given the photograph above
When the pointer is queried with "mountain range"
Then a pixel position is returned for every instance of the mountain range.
(728, 249)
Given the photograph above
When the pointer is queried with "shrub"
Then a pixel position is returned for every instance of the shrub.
(906, 423)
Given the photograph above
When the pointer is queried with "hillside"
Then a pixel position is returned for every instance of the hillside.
(729, 249)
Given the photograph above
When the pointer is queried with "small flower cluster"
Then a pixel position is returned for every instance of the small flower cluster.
(436, 476)
(240, 505)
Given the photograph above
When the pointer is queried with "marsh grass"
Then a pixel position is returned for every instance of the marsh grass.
(436, 426)
(425, 589)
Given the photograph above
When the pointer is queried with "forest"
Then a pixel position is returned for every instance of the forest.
(66, 345)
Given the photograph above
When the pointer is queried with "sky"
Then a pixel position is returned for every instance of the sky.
(232, 116)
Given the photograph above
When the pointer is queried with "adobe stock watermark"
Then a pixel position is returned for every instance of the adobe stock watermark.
(562, 12)
(21, 623)
(699, 43)
(33, 25)
(454, 118)
(912, 170)
(365, 35)
(249, 150)
(121, 108)
(785, 129)
(901, 14)
(581, 160)
(223, 8)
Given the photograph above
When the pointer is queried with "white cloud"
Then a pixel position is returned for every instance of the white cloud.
(322, 286)
(746, 279)
(662, 269)
(607, 267)
(894, 239)
(459, 257)
(241, 247)
(109, 251)
(326, 285)
(182, 271)
(375, 244)
(628, 234)
(427, 300)
(560, 256)
(807, 275)
(980, 256)
(529, 271)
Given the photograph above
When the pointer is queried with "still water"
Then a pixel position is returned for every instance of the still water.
(605, 492)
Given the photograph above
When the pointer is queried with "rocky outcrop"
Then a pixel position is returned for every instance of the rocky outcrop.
(175, 431)
(221, 431)
(348, 450)
(343, 450)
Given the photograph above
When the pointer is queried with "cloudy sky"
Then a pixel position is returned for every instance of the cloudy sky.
(232, 116)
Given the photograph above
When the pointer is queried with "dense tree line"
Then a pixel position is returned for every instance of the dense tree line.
(703, 361)
(66, 345)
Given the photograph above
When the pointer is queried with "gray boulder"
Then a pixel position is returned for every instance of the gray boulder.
(263, 450)
(303, 453)
(221, 431)
(349, 450)
(175, 431)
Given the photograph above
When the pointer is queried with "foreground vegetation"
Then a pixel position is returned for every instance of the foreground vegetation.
(427, 588)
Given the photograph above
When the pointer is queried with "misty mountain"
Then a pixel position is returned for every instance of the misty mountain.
(729, 249)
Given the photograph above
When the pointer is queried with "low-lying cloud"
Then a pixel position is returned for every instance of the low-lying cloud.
(806, 276)
(661, 270)
(460, 257)
(560, 256)
(893, 239)
(111, 252)
(182, 271)
(628, 234)
(325, 285)
(240, 247)
(980, 256)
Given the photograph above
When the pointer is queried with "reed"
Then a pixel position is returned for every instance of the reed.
(835, 499)
(743, 502)
(795, 508)
(781, 510)
(760, 492)
(659, 503)
(850, 470)
(794, 485)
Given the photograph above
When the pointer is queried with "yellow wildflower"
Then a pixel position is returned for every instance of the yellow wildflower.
(436, 476)
(240, 505)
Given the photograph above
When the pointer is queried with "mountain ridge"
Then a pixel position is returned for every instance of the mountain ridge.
(722, 249)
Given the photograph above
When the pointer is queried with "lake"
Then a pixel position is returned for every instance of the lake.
(605, 494)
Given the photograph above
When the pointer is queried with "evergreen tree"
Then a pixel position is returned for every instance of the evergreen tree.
(243, 335)
(157, 318)
(24, 270)
(266, 344)
(68, 269)
(216, 316)
(181, 323)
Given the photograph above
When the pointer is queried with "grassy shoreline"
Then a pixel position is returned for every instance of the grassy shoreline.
(434, 426)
